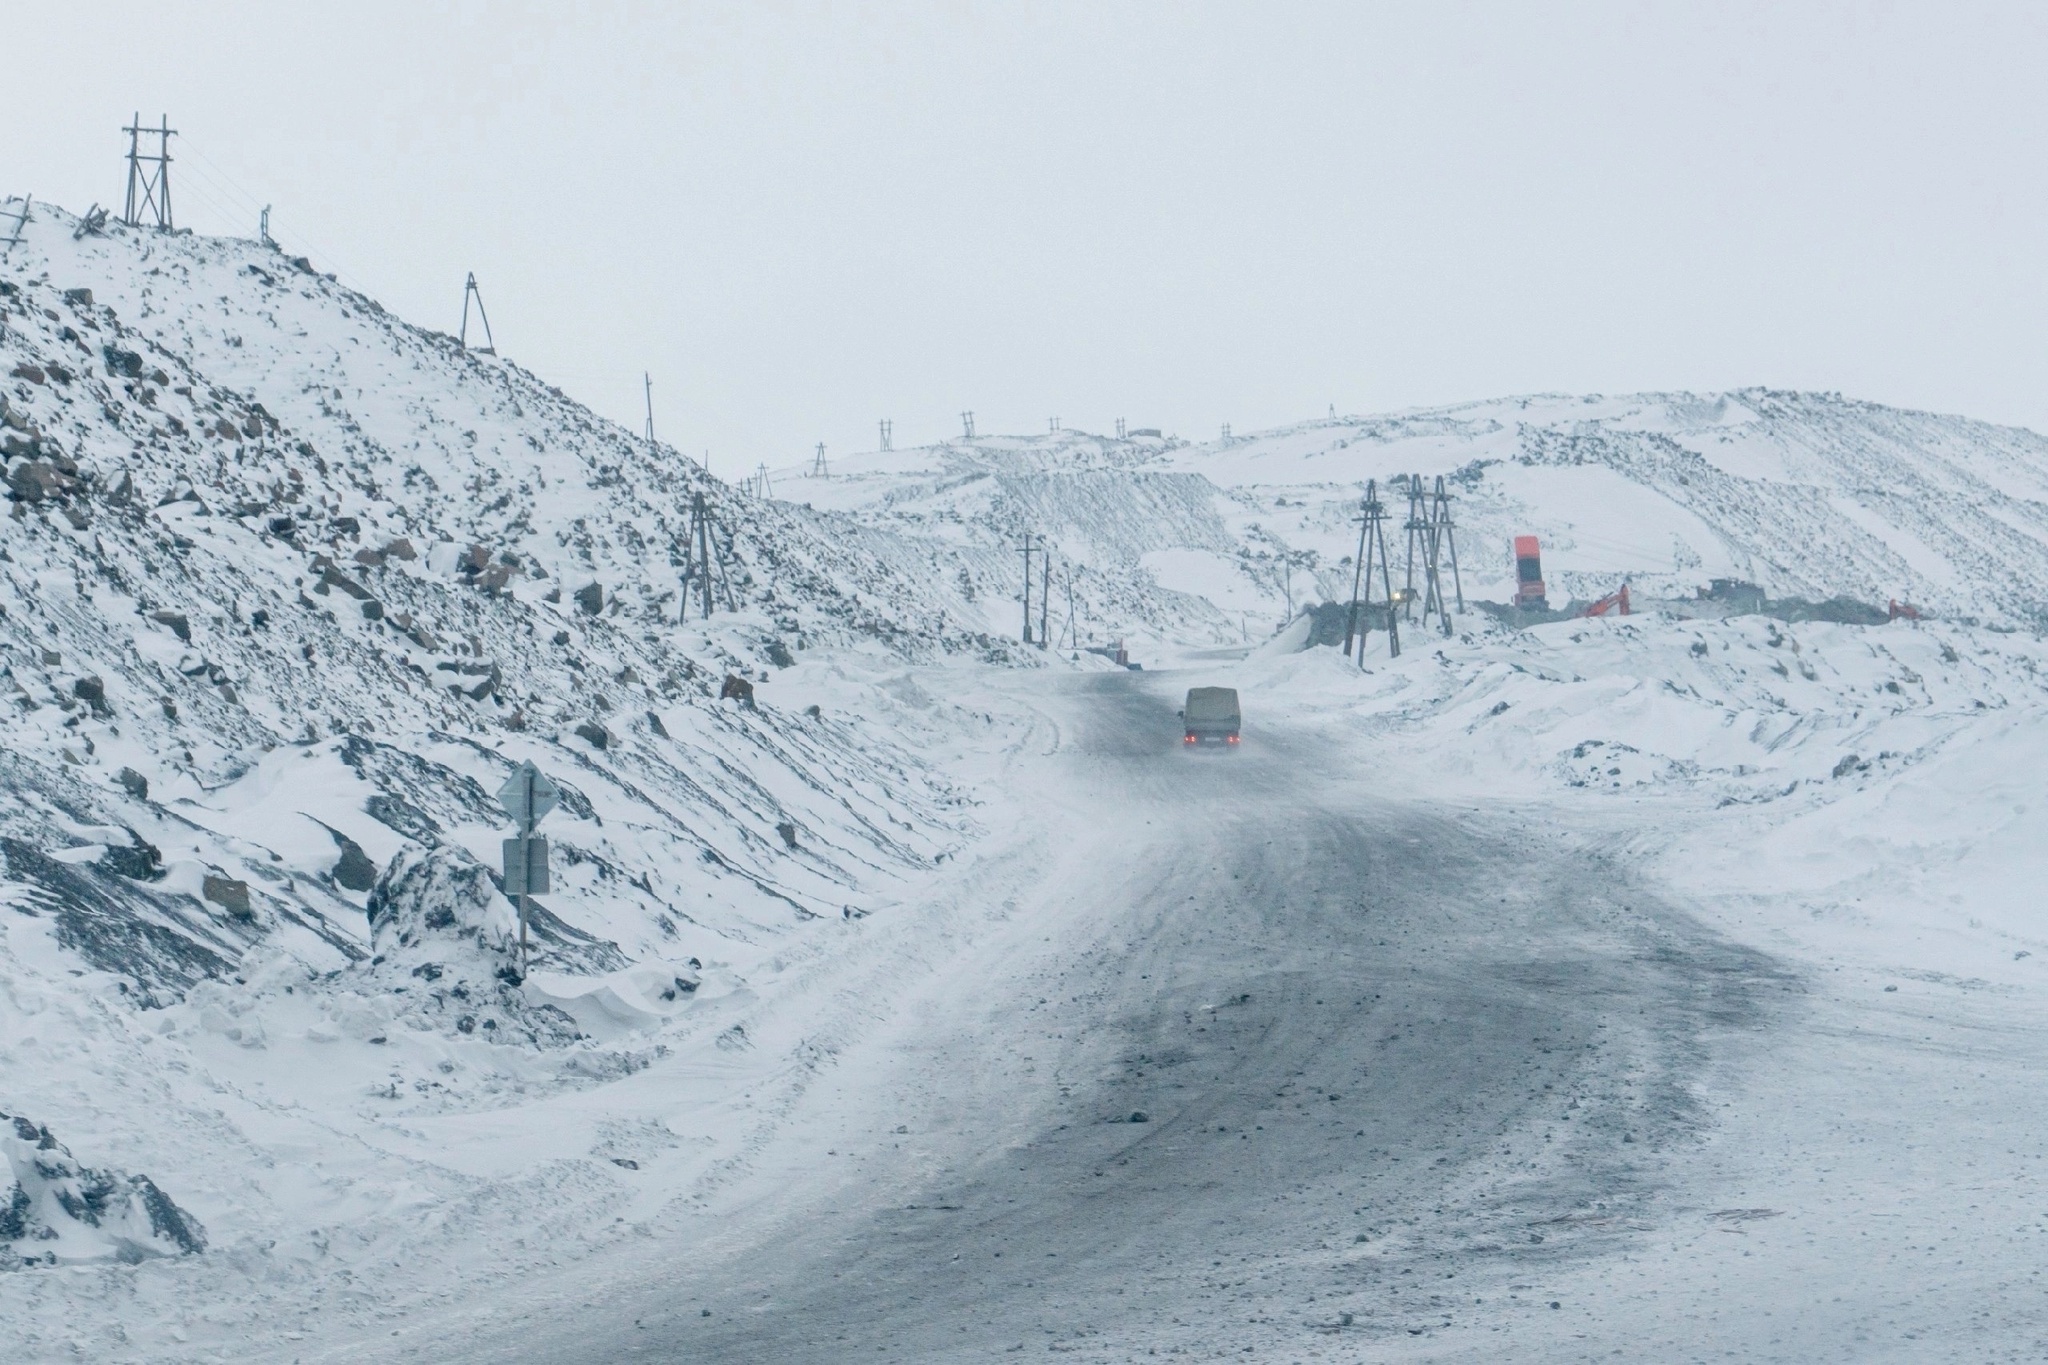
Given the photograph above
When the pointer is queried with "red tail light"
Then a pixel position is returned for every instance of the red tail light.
(1233, 739)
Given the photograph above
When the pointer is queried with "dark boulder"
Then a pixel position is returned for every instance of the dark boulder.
(229, 894)
(139, 861)
(355, 871)
(93, 693)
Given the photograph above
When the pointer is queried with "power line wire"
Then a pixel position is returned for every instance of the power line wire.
(306, 244)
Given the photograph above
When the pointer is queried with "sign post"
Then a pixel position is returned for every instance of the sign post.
(526, 796)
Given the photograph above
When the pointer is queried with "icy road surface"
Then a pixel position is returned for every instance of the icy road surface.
(1392, 1063)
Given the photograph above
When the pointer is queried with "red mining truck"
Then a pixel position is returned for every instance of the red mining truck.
(1529, 574)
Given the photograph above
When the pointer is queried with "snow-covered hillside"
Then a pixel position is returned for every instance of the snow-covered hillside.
(257, 517)
(287, 587)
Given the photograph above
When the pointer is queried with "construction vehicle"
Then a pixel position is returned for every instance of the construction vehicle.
(1211, 716)
(1529, 574)
(1616, 602)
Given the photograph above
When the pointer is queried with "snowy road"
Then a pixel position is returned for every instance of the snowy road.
(1394, 1064)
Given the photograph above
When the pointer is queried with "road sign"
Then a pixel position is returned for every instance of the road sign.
(527, 796)
(526, 866)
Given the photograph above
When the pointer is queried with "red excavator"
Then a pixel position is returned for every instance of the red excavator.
(1616, 602)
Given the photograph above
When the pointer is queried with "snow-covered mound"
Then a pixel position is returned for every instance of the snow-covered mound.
(58, 1212)
(1726, 710)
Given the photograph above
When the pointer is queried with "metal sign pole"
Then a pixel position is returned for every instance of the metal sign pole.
(529, 773)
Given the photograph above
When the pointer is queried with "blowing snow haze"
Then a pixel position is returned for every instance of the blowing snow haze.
(477, 884)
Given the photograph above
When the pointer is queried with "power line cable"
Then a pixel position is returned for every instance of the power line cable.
(306, 244)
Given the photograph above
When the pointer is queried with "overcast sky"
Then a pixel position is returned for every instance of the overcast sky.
(802, 218)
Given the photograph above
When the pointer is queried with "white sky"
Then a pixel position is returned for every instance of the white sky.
(802, 217)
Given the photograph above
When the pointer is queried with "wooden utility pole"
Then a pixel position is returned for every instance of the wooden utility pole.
(1436, 540)
(1044, 593)
(149, 191)
(1073, 622)
(647, 385)
(20, 222)
(703, 559)
(1417, 527)
(470, 291)
(1442, 517)
(1372, 540)
(1029, 550)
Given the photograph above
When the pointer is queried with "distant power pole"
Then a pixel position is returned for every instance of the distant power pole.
(647, 387)
(967, 423)
(1029, 550)
(1226, 431)
(149, 191)
(263, 228)
(761, 488)
(1052, 424)
(1044, 593)
(1120, 428)
(470, 291)
(888, 435)
(704, 570)
(818, 464)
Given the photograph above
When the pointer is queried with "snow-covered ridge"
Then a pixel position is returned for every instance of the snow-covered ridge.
(1189, 544)
(1808, 495)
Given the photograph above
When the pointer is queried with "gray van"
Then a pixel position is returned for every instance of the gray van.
(1211, 716)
